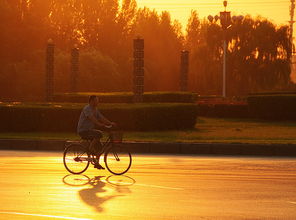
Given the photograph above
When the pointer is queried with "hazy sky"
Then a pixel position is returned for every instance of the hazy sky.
(276, 10)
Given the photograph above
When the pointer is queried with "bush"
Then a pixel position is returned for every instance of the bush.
(116, 97)
(273, 107)
(181, 97)
(273, 93)
(127, 97)
(64, 117)
(223, 110)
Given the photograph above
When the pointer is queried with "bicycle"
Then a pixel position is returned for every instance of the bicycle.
(78, 155)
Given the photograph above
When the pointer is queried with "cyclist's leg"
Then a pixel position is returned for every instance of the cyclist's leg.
(94, 136)
(95, 144)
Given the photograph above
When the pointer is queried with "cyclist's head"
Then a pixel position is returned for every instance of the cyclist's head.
(93, 100)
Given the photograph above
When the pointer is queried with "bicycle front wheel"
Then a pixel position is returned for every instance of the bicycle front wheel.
(76, 158)
(118, 159)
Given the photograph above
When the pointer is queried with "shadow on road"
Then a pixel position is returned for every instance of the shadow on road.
(101, 189)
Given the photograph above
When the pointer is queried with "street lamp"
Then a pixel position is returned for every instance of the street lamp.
(225, 21)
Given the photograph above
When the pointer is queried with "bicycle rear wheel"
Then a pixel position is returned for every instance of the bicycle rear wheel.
(118, 159)
(76, 158)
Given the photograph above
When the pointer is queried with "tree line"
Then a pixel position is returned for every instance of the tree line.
(258, 51)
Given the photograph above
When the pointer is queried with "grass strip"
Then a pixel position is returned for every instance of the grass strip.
(207, 130)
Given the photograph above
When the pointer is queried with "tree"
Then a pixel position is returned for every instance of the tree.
(257, 56)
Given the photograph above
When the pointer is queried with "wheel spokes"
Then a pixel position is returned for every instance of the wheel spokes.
(118, 160)
(116, 156)
(76, 159)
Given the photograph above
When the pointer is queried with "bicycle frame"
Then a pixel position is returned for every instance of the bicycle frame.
(105, 145)
(111, 150)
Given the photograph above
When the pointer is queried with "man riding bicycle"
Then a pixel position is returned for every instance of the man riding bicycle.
(89, 119)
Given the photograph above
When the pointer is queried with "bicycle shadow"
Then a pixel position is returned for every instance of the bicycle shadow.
(99, 192)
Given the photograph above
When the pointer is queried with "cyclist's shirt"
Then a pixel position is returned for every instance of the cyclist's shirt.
(84, 123)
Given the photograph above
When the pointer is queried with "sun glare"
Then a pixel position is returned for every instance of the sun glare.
(277, 11)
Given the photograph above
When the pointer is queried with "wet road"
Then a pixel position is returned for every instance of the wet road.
(35, 185)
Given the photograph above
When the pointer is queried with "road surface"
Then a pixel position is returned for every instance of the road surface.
(35, 185)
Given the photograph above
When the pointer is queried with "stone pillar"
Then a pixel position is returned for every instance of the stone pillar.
(138, 79)
(74, 68)
(49, 70)
(184, 70)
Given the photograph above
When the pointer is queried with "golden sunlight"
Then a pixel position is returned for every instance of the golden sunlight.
(275, 10)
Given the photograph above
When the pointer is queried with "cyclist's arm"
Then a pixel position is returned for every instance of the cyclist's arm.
(91, 116)
(104, 120)
(95, 121)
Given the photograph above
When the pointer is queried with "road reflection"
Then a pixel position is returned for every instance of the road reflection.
(98, 190)
(76, 180)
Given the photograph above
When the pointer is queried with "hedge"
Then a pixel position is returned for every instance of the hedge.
(127, 97)
(275, 107)
(273, 93)
(64, 117)
(270, 107)
(223, 110)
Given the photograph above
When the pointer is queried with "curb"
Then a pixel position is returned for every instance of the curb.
(286, 150)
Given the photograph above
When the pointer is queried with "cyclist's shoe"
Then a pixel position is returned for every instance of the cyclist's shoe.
(99, 166)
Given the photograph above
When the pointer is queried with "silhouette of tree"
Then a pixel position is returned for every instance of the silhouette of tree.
(257, 55)
(163, 44)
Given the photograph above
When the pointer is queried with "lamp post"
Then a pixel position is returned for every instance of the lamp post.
(292, 55)
(225, 21)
